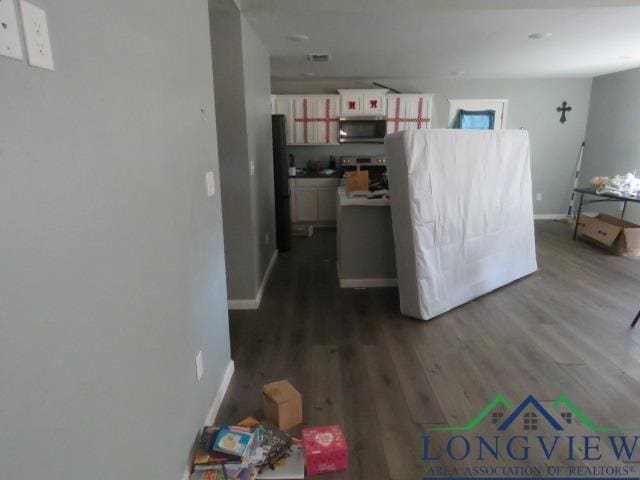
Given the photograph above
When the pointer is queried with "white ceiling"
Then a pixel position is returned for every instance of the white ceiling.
(370, 39)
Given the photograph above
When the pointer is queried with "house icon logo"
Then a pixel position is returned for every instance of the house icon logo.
(530, 418)
(529, 414)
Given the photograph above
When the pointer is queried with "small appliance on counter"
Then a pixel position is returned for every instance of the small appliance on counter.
(292, 165)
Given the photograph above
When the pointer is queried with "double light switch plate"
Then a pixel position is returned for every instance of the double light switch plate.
(36, 35)
(9, 32)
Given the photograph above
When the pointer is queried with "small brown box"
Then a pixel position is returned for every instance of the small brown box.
(282, 404)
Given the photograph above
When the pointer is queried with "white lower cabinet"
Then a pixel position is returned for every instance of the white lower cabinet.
(327, 204)
(313, 200)
(306, 205)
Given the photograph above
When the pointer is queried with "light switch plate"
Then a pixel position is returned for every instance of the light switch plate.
(199, 366)
(9, 32)
(211, 184)
(36, 35)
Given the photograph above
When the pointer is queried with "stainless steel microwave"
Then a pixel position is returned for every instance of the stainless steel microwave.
(362, 129)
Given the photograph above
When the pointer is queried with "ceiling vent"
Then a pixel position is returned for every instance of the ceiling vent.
(318, 57)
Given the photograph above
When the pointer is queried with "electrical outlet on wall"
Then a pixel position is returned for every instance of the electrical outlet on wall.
(538, 196)
(199, 366)
(9, 32)
(36, 35)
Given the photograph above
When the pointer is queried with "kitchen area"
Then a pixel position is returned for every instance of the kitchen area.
(330, 172)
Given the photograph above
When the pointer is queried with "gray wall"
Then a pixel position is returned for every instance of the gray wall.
(612, 141)
(257, 72)
(243, 89)
(532, 105)
(112, 265)
(226, 38)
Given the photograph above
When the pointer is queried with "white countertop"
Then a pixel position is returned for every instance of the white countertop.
(345, 201)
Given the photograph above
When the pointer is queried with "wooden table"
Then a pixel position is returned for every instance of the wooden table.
(607, 197)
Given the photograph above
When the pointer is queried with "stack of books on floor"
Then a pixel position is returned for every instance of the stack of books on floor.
(246, 451)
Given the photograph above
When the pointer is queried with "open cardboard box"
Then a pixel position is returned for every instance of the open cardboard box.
(619, 236)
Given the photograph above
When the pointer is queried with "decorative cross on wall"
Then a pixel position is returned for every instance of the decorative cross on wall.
(564, 109)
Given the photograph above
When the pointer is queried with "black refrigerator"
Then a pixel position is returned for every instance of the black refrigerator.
(281, 182)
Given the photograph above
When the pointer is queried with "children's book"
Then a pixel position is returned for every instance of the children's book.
(257, 452)
(205, 456)
(209, 475)
(233, 440)
(276, 442)
(289, 467)
(249, 422)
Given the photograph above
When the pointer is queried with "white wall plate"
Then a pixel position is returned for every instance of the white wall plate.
(211, 184)
(36, 35)
(9, 33)
(199, 366)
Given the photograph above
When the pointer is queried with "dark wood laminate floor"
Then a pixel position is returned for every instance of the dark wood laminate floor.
(387, 378)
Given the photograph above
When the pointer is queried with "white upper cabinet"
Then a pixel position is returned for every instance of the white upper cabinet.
(311, 119)
(409, 112)
(371, 102)
(283, 105)
(314, 119)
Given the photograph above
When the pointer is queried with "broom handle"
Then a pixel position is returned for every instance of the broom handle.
(575, 181)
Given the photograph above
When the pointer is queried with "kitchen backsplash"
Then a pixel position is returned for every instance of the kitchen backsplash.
(305, 153)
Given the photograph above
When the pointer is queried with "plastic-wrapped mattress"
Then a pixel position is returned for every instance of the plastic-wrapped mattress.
(462, 215)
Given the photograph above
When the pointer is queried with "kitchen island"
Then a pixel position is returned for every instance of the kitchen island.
(366, 255)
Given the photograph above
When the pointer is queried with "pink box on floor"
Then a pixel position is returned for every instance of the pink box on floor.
(325, 449)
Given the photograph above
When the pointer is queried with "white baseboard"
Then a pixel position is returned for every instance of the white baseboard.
(214, 408)
(222, 390)
(550, 216)
(254, 303)
(245, 304)
(364, 282)
(368, 282)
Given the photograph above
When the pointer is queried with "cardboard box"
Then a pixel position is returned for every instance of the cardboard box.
(619, 236)
(282, 404)
(302, 230)
(357, 181)
(325, 449)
